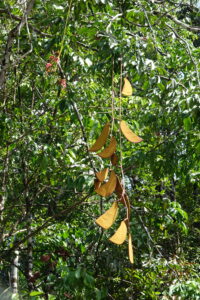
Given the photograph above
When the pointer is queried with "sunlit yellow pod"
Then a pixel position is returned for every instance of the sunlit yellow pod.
(129, 134)
(102, 175)
(108, 188)
(130, 248)
(127, 88)
(120, 235)
(100, 142)
(108, 218)
(108, 151)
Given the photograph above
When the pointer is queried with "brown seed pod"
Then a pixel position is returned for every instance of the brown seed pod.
(119, 190)
(108, 188)
(127, 88)
(100, 142)
(114, 159)
(108, 151)
(108, 218)
(102, 175)
(130, 248)
(120, 235)
(97, 184)
(123, 198)
(129, 134)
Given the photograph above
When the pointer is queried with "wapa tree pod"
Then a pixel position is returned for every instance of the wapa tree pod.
(100, 142)
(108, 188)
(129, 134)
(102, 175)
(119, 190)
(108, 151)
(130, 248)
(123, 198)
(114, 159)
(108, 218)
(97, 184)
(127, 88)
(120, 235)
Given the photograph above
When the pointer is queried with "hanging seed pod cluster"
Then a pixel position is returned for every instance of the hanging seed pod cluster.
(114, 184)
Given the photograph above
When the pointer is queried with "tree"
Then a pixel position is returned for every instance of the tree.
(62, 68)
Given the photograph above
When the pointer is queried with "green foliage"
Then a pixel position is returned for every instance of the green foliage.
(45, 127)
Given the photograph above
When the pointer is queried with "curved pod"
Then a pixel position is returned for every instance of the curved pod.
(129, 134)
(127, 88)
(108, 151)
(130, 248)
(102, 175)
(108, 188)
(108, 218)
(100, 142)
(120, 235)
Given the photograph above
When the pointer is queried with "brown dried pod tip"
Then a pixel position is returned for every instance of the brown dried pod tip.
(114, 159)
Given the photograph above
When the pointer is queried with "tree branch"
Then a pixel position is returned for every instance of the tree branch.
(5, 62)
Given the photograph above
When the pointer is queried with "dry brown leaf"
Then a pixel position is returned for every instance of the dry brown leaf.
(108, 151)
(120, 235)
(127, 88)
(129, 134)
(108, 188)
(130, 248)
(102, 175)
(100, 142)
(108, 218)
(114, 159)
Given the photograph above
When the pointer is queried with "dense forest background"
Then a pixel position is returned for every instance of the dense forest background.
(62, 65)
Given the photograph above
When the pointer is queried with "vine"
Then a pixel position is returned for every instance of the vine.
(114, 183)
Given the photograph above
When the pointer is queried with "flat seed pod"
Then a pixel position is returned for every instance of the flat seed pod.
(120, 235)
(108, 218)
(97, 184)
(123, 198)
(130, 248)
(102, 175)
(108, 151)
(108, 188)
(100, 142)
(114, 159)
(129, 134)
(119, 190)
(127, 88)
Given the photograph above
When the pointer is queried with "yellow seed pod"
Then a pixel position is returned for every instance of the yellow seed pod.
(100, 142)
(127, 88)
(108, 151)
(129, 134)
(108, 188)
(130, 248)
(108, 218)
(120, 235)
(102, 175)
